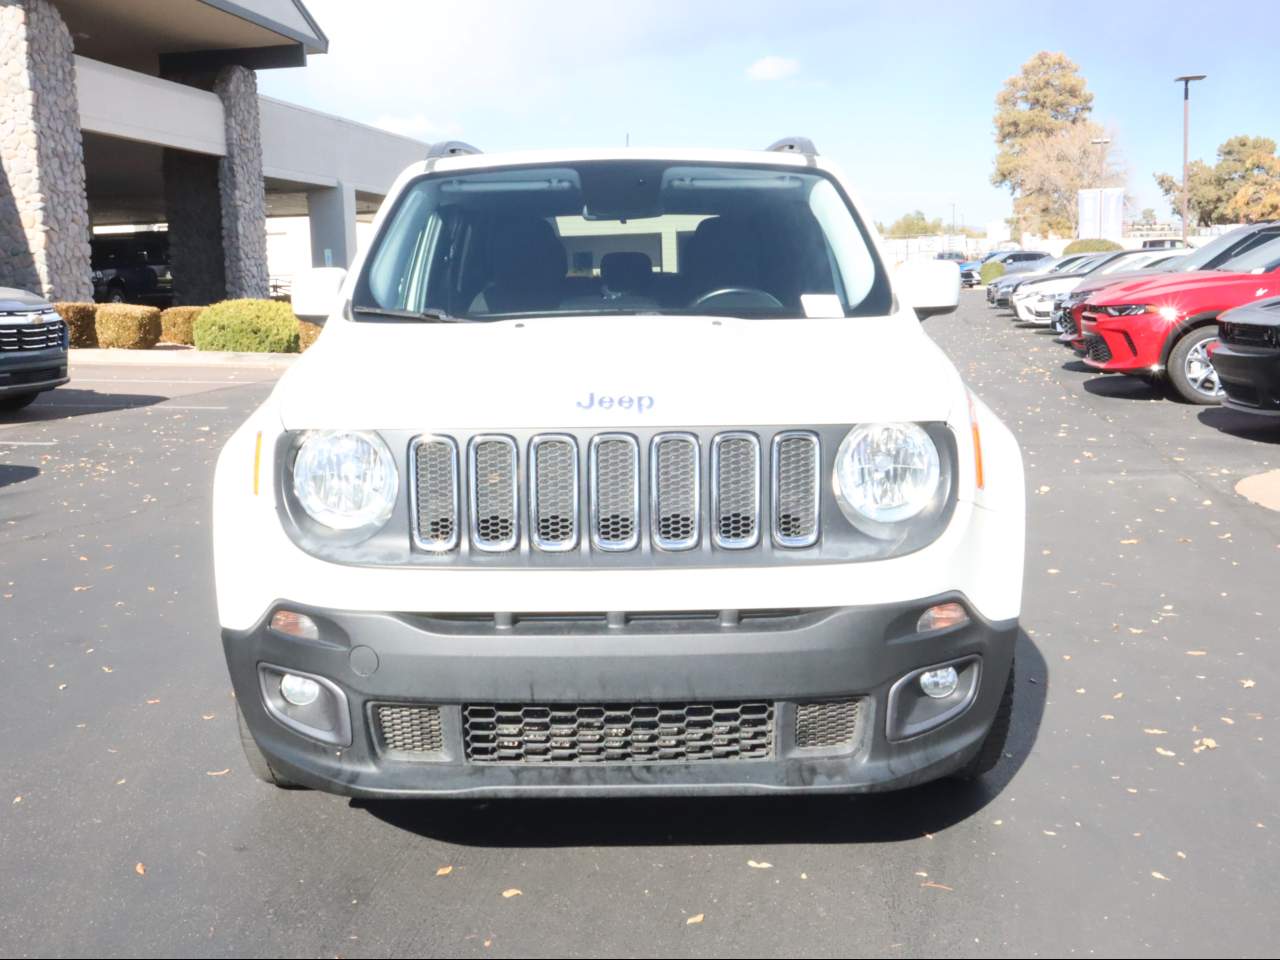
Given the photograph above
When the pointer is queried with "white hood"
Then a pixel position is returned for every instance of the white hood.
(653, 371)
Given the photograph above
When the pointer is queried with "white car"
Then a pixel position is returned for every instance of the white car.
(621, 472)
(1034, 301)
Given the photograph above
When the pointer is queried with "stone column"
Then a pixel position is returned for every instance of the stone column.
(44, 213)
(243, 198)
(332, 212)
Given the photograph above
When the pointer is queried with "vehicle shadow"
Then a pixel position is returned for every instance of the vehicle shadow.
(11, 473)
(1122, 387)
(74, 402)
(1078, 366)
(1247, 426)
(870, 818)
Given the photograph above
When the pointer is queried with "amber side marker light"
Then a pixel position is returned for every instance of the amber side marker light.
(294, 624)
(978, 477)
(257, 461)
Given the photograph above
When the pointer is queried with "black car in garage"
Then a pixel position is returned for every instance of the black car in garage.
(132, 268)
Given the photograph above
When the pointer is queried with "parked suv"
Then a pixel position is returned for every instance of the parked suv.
(132, 268)
(33, 348)
(599, 508)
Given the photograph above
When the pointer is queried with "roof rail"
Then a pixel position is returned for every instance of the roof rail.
(794, 145)
(450, 148)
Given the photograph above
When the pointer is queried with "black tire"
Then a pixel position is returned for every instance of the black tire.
(115, 295)
(257, 762)
(18, 401)
(992, 748)
(1180, 378)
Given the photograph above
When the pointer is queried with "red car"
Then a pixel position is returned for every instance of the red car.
(1166, 327)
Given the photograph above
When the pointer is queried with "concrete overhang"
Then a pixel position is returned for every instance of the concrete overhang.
(176, 35)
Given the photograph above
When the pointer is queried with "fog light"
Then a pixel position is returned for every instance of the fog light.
(295, 624)
(936, 683)
(942, 616)
(303, 691)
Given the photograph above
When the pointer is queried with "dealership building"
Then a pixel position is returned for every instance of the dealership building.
(116, 112)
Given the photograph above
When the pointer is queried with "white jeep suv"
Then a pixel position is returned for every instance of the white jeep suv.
(623, 471)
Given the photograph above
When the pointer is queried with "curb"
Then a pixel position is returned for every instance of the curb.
(174, 355)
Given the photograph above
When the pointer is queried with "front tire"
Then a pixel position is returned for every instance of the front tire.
(1191, 373)
(258, 764)
(18, 401)
(992, 748)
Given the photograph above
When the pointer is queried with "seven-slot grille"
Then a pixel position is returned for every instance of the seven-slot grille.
(29, 336)
(503, 481)
(617, 732)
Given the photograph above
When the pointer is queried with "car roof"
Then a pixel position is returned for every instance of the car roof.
(519, 158)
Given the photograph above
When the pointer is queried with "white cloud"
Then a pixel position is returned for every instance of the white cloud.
(773, 68)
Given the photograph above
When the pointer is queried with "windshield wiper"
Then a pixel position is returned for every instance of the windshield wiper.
(422, 316)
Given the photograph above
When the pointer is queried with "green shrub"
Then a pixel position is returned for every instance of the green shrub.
(1091, 246)
(991, 270)
(127, 326)
(308, 333)
(176, 324)
(80, 319)
(247, 326)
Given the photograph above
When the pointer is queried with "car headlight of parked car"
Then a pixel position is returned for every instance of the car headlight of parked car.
(345, 480)
(1126, 310)
(885, 474)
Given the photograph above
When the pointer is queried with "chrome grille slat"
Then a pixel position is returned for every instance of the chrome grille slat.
(30, 336)
(614, 486)
(495, 515)
(436, 494)
(553, 492)
(735, 490)
(797, 461)
(675, 490)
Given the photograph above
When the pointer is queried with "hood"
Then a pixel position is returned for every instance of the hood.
(618, 372)
(1190, 284)
(1119, 278)
(13, 300)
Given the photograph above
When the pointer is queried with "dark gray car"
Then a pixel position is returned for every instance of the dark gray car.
(33, 348)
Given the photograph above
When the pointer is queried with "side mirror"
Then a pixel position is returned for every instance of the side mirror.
(315, 292)
(930, 287)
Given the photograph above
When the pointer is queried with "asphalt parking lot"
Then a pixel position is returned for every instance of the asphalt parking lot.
(1136, 812)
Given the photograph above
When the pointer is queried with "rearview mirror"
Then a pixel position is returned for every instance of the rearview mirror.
(930, 287)
(315, 291)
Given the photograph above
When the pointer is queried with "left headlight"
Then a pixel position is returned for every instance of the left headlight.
(886, 473)
(345, 480)
(1126, 310)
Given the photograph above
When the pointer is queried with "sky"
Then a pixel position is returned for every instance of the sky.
(901, 95)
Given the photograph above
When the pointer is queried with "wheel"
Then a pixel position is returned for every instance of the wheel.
(1191, 373)
(257, 762)
(992, 748)
(18, 401)
(115, 295)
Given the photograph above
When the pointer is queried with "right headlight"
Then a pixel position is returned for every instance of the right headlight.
(345, 480)
(886, 473)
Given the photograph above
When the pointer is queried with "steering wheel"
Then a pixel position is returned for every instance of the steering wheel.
(762, 298)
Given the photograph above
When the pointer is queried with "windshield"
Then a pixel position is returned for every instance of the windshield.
(624, 237)
(1215, 252)
(1260, 259)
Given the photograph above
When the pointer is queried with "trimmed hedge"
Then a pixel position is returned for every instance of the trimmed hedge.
(991, 270)
(80, 319)
(127, 326)
(1091, 246)
(247, 326)
(308, 333)
(176, 324)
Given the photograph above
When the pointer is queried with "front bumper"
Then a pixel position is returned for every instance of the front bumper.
(1250, 377)
(32, 371)
(783, 657)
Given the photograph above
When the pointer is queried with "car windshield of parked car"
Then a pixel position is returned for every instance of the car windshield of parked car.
(1244, 238)
(623, 237)
(1260, 259)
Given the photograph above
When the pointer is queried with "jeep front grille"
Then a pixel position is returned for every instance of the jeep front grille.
(675, 492)
(617, 732)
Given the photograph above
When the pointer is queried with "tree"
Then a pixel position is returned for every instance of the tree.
(1047, 95)
(1259, 195)
(914, 224)
(1242, 165)
(1148, 215)
(1054, 168)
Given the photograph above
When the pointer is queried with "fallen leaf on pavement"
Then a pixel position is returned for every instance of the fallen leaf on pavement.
(759, 865)
(139, 869)
(513, 892)
(696, 918)
(217, 773)
(444, 871)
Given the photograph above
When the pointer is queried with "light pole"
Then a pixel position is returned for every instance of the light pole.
(1101, 143)
(1186, 82)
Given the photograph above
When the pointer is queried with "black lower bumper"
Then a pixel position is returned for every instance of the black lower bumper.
(32, 371)
(785, 658)
(1250, 377)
